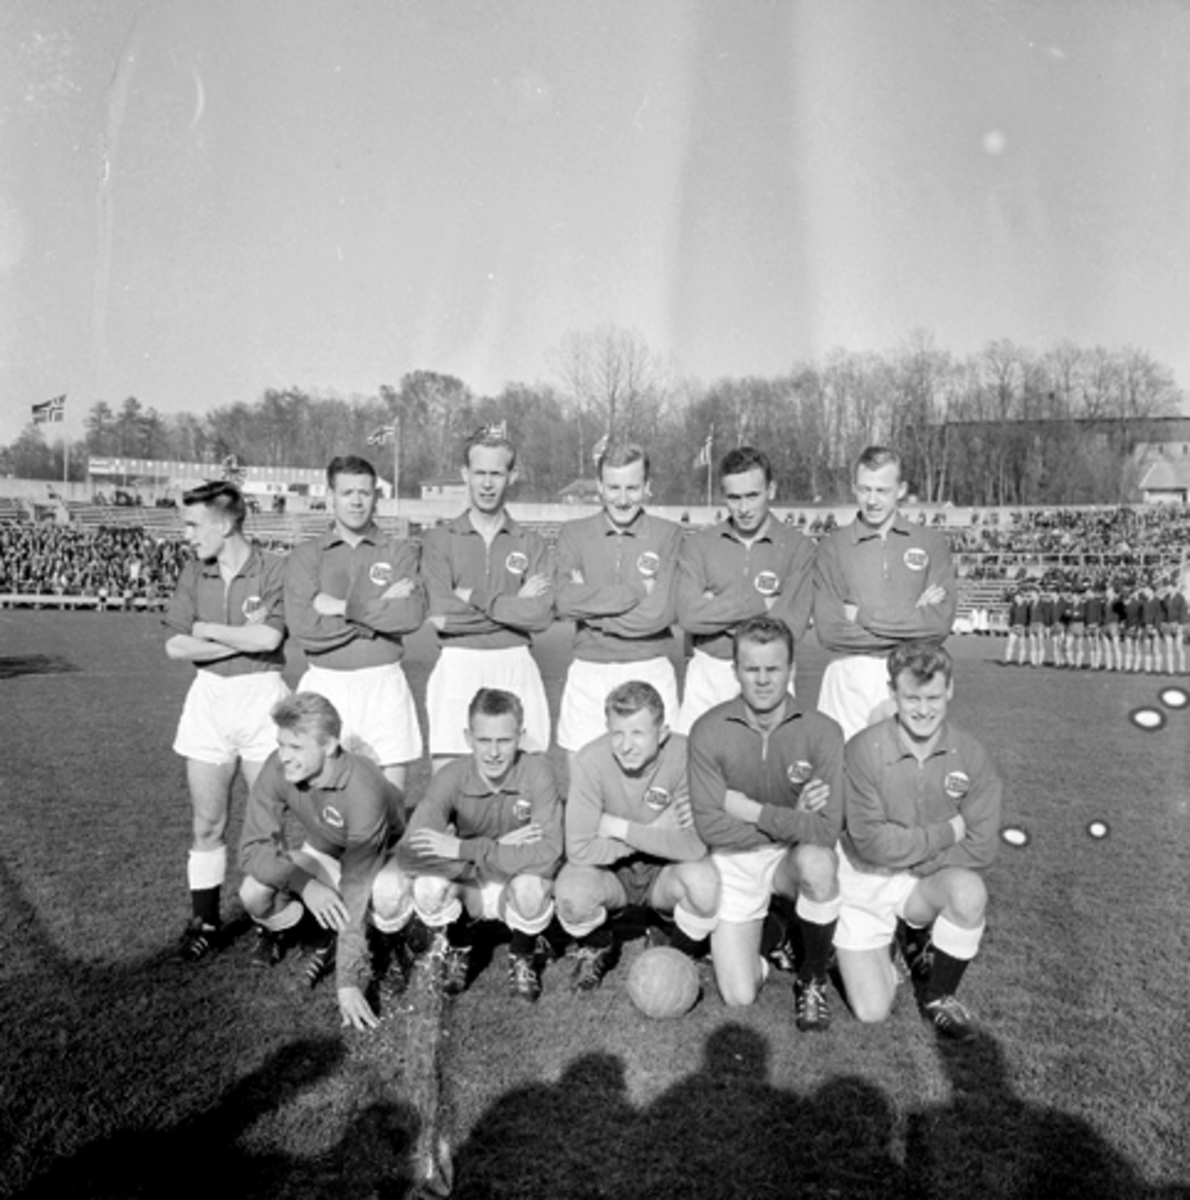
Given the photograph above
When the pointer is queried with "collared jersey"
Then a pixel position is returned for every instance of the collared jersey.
(883, 577)
(460, 797)
(616, 618)
(1173, 608)
(455, 555)
(728, 752)
(355, 817)
(598, 785)
(257, 588)
(723, 581)
(897, 810)
(370, 633)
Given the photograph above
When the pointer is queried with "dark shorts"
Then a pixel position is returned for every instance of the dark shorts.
(637, 876)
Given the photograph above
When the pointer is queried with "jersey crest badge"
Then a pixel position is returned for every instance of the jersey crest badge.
(956, 784)
(517, 563)
(648, 564)
(767, 583)
(381, 573)
(657, 798)
(800, 772)
(522, 810)
(916, 559)
(333, 817)
(253, 608)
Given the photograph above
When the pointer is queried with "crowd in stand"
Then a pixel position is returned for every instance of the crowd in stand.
(121, 565)
(117, 565)
(1122, 532)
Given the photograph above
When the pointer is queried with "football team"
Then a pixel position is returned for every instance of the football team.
(743, 827)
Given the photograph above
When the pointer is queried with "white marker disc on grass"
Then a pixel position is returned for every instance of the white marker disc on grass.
(1148, 719)
(1098, 829)
(1014, 835)
(1174, 697)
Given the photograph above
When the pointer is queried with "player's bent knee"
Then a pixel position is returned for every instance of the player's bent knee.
(391, 892)
(529, 895)
(966, 895)
(431, 894)
(579, 894)
(698, 887)
(870, 1010)
(737, 993)
(256, 897)
(818, 870)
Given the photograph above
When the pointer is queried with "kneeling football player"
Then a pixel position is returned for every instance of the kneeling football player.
(766, 784)
(630, 836)
(922, 812)
(352, 817)
(484, 843)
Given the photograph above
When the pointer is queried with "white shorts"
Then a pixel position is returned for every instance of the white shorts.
(871, 905)
(461, 672)
(581, 719)
(489, 897)
(709, 681)
(854, 692)
(318, 863)
(746, 881)
(376, 706)
(226, 717)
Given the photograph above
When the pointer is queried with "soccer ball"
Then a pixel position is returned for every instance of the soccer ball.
(663, 983)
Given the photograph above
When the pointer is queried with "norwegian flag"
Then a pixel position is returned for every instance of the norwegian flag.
(49, 411)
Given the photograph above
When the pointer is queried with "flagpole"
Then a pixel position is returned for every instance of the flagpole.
(710, 444)
(396, 463)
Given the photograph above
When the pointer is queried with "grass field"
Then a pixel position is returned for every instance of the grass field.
(123, 1072)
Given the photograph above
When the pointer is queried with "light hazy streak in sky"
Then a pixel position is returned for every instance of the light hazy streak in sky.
(203, 201)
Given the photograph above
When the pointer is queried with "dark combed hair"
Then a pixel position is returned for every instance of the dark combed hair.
(632, 697)
(623, 454)
(761, 630)
(493, 702)
(923, 660)
(745, 458)
(348, 464)
(308, 712)
(222, 497)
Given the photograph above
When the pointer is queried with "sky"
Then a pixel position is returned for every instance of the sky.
(202, 199)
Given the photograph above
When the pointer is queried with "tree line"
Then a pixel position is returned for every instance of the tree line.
(1005, 425)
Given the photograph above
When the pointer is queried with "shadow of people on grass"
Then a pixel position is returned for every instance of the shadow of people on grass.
(143, 1078)
(988, 1142)
(552, 1141)
(728, 1131)
(723, 1131)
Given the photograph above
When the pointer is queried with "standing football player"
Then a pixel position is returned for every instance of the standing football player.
(922, 818)
(352, 594)
(226, 617)
(614, 577)
(878, 582)
(630, 837)
(491, 588)
(766, 788)
(749, 565)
